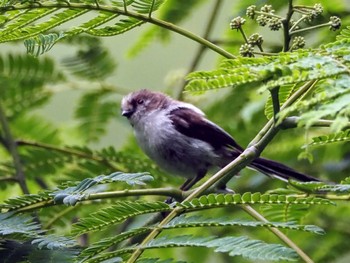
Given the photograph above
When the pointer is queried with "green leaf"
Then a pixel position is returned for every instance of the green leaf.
(21, 225)
(17, 20)
(220, 200)
(233, 246)
(329, 100)
(118, 28)
(93, 63)
(32, 30)
(94, 112)
(19, 202)
(54, 242)
(285, 213)
(41, 44)
(200, 221)
(116, 214)
(342, 136)
(105, 243)
(73, 194)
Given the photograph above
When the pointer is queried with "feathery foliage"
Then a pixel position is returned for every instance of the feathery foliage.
(75, 207)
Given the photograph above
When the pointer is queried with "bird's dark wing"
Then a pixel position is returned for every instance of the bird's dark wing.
(192, 124)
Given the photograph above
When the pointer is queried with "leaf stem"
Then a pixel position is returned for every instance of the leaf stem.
(310, 28)
(249, 210)
(172, 192)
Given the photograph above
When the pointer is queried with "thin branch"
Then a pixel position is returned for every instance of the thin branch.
(169, 192)
(293, 98)
(277, 232)
(125, 12)
(12, 148)
(310, 28)
(292, 122)
(202, 48)
(297, 23)
(285, 23)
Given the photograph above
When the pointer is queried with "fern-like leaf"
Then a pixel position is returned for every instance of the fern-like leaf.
(343, 136)
(118, 28)
(41, 44)
(106, 243)
(25, 201)
(73, 194)
(23, 77)
(234, 246)
(200, 221)
(19, 225)
(33, 30)
(54, 242)
(218, 200)
(330, 100)
(116, 214)
(94, 112)
(342, 188)
(186, 222)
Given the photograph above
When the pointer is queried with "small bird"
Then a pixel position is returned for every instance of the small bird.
(182, 141)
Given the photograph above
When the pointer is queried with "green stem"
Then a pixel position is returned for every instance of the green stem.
(267, 14)
(249, 210)
(292, 122)
(171, 192)
(293, 98)
(12, 148)
(124, 12)
(297, 23)
(243, 34)
(310, 28)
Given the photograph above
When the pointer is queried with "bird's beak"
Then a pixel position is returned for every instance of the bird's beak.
(127, 113)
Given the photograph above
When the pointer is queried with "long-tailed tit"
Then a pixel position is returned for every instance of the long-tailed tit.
(177, 136)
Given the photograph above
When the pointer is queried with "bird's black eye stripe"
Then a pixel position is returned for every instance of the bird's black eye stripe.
(140, 101)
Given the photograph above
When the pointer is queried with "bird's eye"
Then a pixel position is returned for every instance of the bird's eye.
(140, 101)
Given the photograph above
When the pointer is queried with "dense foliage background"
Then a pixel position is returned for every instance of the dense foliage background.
(75, 187)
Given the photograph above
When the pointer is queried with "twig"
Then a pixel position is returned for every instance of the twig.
(285, 23)
(172, 192)
(12, 148)
(277, 232)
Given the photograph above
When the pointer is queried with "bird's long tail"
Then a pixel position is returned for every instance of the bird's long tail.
(281, 171)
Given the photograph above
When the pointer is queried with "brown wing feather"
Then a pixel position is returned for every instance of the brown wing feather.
(192, 124)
